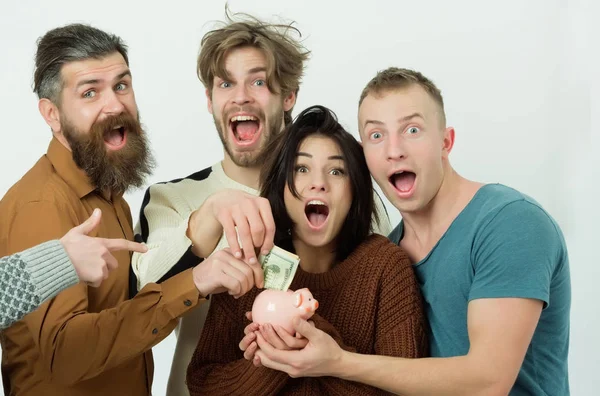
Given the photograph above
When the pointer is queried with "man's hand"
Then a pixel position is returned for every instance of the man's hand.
(318, 358)
(226, 211)
(222, 272)
(91, 256)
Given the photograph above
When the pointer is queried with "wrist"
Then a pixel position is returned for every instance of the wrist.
(342, 365)
(198, 281)
(204, 230)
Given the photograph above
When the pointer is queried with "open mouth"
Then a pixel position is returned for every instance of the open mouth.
(245, 128)
(403, 181)
(115, 138)
(316, 212)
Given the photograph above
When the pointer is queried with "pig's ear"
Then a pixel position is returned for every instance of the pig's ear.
(298, 299)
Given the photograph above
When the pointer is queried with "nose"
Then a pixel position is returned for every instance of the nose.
(395, 149)
(241, 96)
(113, 104)
(318, 183)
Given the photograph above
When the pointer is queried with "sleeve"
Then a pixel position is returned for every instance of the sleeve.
(401, 328)
(383, 225)
(516, 253)
(163, 224)
(101, 340)
(218, 365)
(31, 277)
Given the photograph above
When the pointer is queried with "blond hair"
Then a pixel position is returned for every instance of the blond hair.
(394, 78)
(285, 55)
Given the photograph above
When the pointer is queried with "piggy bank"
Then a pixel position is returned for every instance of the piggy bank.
(281, 307)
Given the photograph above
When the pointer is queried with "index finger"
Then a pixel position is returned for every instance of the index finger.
(267, 216)
(123, 244)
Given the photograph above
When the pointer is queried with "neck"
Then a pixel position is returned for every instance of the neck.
(313, 259)
(248, 176)
(430, 223)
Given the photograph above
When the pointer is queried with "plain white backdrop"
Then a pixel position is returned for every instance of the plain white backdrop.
(517, 79)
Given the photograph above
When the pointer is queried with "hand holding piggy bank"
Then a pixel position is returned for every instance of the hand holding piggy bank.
(281, 307)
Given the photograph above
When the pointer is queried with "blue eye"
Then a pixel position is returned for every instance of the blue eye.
(260, 83)
(121, 87)
(376, 135)
(412, 130)
(89, 94)
(225, 84)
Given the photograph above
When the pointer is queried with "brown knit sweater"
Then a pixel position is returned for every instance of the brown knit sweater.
(370, 303)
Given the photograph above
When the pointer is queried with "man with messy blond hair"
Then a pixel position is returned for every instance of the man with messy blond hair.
(284, 56)
(251, 71)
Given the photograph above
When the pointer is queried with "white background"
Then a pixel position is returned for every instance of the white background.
(517, 78)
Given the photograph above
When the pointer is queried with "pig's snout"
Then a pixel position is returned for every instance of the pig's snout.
(313, 307)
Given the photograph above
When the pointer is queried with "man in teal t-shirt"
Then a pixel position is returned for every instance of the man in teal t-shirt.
(492, 265)
(502, 244)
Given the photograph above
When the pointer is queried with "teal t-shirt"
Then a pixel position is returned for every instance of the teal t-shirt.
(503, 244)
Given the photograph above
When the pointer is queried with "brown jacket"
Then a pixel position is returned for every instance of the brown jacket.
(85, 341)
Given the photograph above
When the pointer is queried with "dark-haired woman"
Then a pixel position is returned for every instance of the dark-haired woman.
(318, 184)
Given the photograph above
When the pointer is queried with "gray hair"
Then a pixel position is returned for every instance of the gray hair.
(66, 44)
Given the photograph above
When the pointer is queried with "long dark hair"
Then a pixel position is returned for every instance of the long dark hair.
(278, 171)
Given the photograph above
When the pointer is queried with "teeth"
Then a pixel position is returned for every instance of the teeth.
(243, 118)
(316, 202)
(118, 127)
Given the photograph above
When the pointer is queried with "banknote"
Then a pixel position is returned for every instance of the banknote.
(279, 267)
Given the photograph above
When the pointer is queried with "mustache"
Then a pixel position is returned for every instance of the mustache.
(243, 109)
(123, 120)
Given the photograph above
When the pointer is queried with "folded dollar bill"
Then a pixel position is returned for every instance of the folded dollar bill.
(279, 267)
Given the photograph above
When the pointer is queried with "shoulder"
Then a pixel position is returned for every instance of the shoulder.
(40, 186)
(179, 183)
(179, 188)
(380, 251)
(506, 211)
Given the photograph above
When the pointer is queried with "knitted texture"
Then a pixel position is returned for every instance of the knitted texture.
(370, 304)
(29, 278)
(163, 224)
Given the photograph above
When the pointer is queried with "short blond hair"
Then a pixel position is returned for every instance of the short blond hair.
(394, 78)
(285, 54)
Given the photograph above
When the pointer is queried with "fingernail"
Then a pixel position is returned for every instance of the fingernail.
(238, 254)
(265, 252)
(252, 260)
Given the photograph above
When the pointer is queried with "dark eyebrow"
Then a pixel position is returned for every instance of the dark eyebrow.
(332, 157)
(400, 120)
(96, 81)
(125, 73)
(87, 82)
(257, 70)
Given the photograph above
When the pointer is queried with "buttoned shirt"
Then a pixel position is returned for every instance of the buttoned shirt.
(85, 341)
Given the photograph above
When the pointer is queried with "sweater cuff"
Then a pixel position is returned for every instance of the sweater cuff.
(50, 269)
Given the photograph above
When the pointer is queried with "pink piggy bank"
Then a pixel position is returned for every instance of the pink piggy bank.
(281, 307)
